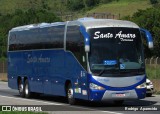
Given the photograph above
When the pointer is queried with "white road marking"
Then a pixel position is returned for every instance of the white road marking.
(60, 104)
(97, 110)
(30, 100)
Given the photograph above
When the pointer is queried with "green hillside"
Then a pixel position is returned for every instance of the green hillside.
(122, 7)
(9, 6)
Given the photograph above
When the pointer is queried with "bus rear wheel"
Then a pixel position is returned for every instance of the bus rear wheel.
(27, 92)
(21, 88)
(70, 97)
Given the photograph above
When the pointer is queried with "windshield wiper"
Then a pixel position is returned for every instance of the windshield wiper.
(131, 71)
(109, 70)
(101, 72)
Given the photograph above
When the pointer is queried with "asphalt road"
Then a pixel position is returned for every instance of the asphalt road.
(59, 104)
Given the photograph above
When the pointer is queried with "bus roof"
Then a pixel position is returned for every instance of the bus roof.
(86, 22)
(98, 23)
(40, 25)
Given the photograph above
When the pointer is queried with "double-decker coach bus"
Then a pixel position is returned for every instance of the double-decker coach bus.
(89, 59)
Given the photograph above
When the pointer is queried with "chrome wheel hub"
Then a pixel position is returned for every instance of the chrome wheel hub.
(70, 93)
(26, 89)
(21, 87)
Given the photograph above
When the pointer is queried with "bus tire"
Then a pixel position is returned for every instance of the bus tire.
(70, 97)
(21, 88)
(27, 92)
(149, 95)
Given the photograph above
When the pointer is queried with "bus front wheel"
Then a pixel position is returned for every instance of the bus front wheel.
(27, 90)
(71, 99)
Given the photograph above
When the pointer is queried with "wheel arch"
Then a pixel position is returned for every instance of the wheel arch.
(18, 80)
(66, 85)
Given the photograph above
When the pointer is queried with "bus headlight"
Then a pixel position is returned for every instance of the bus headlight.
(95, 87)
(143, 85)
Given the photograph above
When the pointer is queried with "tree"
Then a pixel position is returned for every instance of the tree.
(20, 18)
(149, 19)
(154, 2)
(91, 3)
(75, 4)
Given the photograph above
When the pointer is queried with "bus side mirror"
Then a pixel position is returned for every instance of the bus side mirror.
(148, 37)
(86, 38)
(87, 48)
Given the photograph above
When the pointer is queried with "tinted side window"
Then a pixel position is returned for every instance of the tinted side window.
(55, 37)
(75, 43)
(26, 39)
(39, 38)
(12, 41)
(72, 39)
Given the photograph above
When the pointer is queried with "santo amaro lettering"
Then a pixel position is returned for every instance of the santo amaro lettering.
(120, 35)
(98, 35)
(39, 59)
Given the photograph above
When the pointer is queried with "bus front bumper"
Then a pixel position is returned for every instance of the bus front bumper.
(106, 95)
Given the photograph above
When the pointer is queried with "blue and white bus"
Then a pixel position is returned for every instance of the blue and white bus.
(89, 59)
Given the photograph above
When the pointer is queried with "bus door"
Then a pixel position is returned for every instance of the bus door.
(76, 61)
(82, 80)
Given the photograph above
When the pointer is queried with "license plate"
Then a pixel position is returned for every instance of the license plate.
(120, 95)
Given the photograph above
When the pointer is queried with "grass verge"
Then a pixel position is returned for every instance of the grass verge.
(122, 7)
(153, 71)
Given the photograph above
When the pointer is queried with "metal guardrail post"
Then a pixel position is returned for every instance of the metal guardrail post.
(156, 65)
(151, 60)
(146, 61)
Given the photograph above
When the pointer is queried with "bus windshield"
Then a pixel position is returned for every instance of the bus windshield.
(115, 49)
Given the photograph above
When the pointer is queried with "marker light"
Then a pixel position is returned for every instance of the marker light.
(143, 85)
(95, 87)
